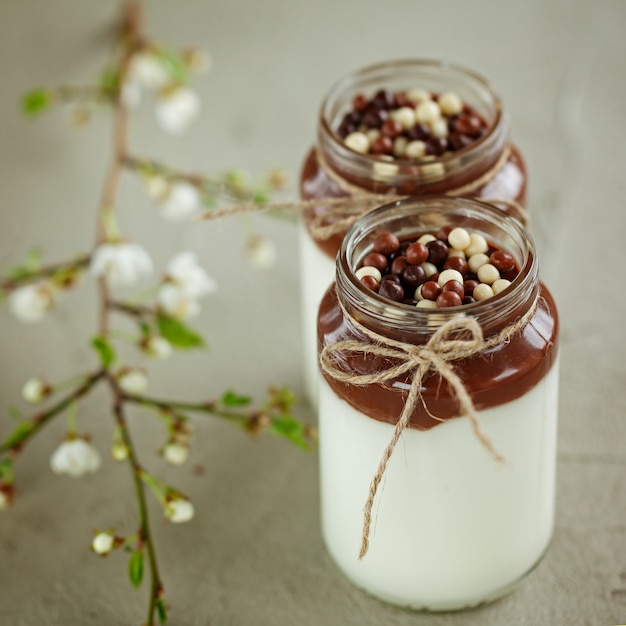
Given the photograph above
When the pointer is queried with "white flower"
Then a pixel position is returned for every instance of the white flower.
(156, 186)
(182, 201)
(179, 510)
(75, 457)
(184, 271)
(176, 109)
(147, 70)
(30, 303)
(261, 252)
(176, 302)
(102, 543)
(133, 381)
(175, 453)
(122, 263)
(35, 390)
(158, 347)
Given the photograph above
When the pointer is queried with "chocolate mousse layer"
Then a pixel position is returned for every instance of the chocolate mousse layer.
(492, 377)
(316, 183)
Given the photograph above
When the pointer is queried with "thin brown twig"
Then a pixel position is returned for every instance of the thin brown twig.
(145, 532)
(39, 420)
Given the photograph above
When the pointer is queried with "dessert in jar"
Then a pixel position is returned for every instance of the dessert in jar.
(411, 127)
(437, 405)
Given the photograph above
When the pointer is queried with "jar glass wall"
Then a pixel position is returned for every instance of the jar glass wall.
(453, 527)
(490, 167)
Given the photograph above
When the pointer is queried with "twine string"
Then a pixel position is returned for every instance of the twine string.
(456, 339)
(344, 211)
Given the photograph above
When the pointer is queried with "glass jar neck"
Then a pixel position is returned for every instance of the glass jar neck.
(412, 177)
(411, 217)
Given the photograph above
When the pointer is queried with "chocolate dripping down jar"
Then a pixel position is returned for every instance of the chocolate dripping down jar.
(464, 509)
(491, 167)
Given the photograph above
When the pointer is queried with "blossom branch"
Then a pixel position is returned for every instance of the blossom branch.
(145, 532)
(273, 415)
(25, 274)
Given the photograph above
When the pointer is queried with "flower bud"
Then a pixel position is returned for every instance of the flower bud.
(175, 453)
(35, 390)
(158, 347)
(179, 510)
(103, 543)
(133, 381)
(119, 451)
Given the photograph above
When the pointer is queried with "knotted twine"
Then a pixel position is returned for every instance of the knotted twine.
(348, 209)
(458, 338)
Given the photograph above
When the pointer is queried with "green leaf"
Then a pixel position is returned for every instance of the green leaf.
(105, 351)
(232, 399)
(290, 428)
(178, 333)
(135, 568)
(161, 611)
(36, 102)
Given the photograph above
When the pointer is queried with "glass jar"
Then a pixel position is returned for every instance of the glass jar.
(465, 513)
(489, 168)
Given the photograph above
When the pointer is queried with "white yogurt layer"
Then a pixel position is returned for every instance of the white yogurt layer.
(451, 527)
(317, 272)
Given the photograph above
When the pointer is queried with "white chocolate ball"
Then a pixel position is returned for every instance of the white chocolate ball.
(399, 146)
(500, 285)
(359, 142)
(418, 293)
(454, 252)
(418, 95)
(429, 268)
(372, 134)
(439, 128)
(478, 244)
(488, 273)
(404, 115)
(476, 261)
(415, 149)
(482, 292)
(426, 238)
(447, 275)
(426, 304)
(369, 270)
(427, 112)
(450, 103)
(459, 238)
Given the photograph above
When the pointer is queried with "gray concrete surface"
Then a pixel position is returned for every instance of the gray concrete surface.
(253, 556)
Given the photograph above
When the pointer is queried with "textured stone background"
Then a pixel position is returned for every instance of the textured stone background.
(253, 556)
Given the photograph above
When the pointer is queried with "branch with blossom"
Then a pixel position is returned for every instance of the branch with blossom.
(160, 320)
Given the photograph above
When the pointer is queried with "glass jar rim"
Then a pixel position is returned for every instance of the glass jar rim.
(492, 313)
(409, 64)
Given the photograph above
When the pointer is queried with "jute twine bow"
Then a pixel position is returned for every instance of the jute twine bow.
(343, 211)
(456, 339)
